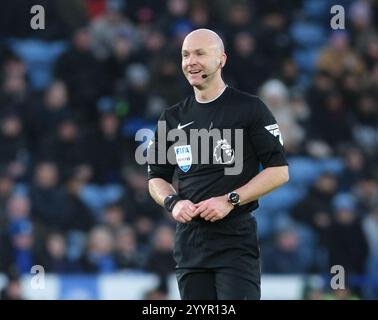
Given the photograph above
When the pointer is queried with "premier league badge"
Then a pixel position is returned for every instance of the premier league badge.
(184, 157)
(223, 152)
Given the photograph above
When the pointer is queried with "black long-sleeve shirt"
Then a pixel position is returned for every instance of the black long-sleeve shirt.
(232, 110)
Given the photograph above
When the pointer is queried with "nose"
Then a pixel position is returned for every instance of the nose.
(191, 60)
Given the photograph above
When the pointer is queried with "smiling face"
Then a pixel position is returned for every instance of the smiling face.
(202, 53)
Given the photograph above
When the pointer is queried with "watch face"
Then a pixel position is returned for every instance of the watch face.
(234, 198)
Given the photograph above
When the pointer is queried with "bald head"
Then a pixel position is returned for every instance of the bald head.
(205, 38)
(203, 57)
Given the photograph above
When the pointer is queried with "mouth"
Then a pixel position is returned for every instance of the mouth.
(192, 72)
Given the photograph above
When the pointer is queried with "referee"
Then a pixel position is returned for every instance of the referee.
(216, 247)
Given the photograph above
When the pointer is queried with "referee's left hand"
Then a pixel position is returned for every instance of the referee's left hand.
(213, 209)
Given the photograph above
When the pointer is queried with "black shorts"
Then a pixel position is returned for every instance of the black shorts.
(221, 257)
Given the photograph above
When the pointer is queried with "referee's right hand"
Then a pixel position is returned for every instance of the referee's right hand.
(183, 211)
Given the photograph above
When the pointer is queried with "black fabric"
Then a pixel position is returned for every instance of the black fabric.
(197, 285)
(218, 260)
(232, 110)
(222, 284)
(223, 243)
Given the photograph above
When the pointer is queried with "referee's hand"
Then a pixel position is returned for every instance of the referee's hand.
(183, 211)
(213, 209)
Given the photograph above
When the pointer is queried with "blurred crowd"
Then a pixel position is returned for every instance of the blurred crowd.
(72, 97)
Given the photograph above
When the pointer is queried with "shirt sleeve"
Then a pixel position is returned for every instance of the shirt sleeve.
(266, 137)
(157, 155)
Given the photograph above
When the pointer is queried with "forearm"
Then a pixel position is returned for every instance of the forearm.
(159, 189)
(265, 182)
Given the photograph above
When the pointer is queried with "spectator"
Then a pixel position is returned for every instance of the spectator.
(167, 79)
(347, 244)
(48, 198)
(200, 15)
(127, 253)
(105, 29)
(12, 289)
(19, 228)
(123, 53)
(370, 228)
(99, 256)
(366, 189)
(6, 188)
(67, 147)
(362, 29)
(107, 150)
(46, 116)
(54, 257)
(365, 129)
(144, 227)
(136, 90)
(153, 45)
(114, 217)
(247, 67)
(332, 120)
(238, 19)
(274, 38)
(80, 70)
(175, 16)
(339, 57)
(354, 170)
(15, 95)
(160, 260)
(18, 208)
(22, 242)
(78, 216)
(13, 146)
(275, 94)
(284, 255)
(138, 202)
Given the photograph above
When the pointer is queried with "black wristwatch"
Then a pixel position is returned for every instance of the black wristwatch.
(170, 201)
(234, 198)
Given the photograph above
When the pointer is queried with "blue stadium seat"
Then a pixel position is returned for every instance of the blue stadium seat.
(282, 198)
(307, 34)
(39, 57)
(132, 125)
(306, 58)
(316, 9)
(303, 171)
(333, 165)
(97, 197)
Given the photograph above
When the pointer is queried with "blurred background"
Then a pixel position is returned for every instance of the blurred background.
(73, 95)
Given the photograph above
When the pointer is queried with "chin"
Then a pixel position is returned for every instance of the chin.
(195, 82)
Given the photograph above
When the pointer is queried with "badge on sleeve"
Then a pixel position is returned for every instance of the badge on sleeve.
(275, 130)
(184, 157)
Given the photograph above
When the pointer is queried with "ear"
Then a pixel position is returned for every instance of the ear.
(223, 60)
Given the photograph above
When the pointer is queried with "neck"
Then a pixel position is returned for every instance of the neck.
(209, 93)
